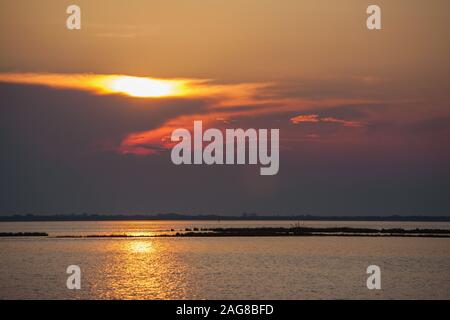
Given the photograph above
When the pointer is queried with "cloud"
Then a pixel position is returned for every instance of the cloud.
(220, 102)
(142, 87)
(314, 118)
(98, 143)
(123, 30)
(305, 118)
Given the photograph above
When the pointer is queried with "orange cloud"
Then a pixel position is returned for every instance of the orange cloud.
(305, 118)
(314, 118)
(139, 87)
(345, 123)
(222, 101)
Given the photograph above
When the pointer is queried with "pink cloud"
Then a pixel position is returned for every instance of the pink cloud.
(314, 118)
(345, 123)
(305, 118)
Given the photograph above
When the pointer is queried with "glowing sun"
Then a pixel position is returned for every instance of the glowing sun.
(144, 87)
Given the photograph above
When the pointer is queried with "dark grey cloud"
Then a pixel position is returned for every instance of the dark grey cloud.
(57, 157)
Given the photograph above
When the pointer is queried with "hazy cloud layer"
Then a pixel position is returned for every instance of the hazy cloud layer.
(66, 151)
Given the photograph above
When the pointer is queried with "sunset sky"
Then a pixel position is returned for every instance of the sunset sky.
(364, 116)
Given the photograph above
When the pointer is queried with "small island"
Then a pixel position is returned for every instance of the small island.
(23, 234)
(300, 231)
(294, 231)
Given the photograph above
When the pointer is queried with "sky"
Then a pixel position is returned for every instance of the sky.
(364, 116)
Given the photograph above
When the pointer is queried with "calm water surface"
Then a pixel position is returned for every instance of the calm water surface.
(219, 268)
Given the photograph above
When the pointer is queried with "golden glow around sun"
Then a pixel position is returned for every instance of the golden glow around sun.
(139, 87)
(144, 87)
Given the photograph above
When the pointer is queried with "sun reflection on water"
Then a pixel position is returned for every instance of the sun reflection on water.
(140, 268)
(140, 246)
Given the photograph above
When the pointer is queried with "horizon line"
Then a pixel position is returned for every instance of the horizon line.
(243, 217)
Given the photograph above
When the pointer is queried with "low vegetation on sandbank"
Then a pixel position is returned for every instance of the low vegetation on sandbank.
(294, 231)
(23, 234)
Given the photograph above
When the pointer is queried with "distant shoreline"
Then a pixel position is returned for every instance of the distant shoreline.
(243, 217)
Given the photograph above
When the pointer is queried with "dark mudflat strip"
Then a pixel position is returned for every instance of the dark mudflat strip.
(305, 231)
(286, 232)
(263, 232)
(212, 235)
(23, 234)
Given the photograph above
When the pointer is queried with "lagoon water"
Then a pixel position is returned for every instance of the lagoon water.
(219, 268)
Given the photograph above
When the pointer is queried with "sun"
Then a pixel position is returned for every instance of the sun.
(143, 87)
